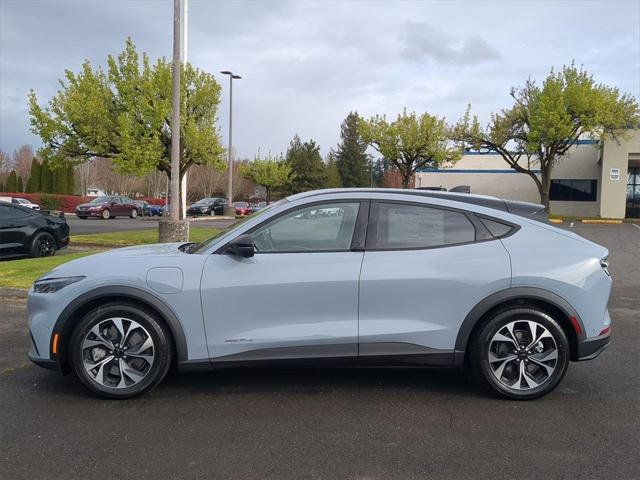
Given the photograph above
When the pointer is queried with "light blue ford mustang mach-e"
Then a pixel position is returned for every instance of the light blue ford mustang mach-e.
(348, 277)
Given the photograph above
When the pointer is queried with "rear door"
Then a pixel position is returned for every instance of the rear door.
(424, 269)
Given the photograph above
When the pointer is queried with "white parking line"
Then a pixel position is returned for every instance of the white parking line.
(636, 225)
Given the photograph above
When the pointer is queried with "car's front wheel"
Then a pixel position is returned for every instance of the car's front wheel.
(106, 214)
(520, 353)
(120, 350)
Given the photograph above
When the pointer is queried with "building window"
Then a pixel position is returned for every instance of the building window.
(574, 190)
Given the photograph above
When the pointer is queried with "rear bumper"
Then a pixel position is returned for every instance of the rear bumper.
(590, 349)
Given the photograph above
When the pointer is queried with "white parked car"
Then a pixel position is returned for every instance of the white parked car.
(25, 203)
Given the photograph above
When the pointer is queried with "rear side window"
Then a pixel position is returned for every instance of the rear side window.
(497, 229)
(11, 212)
(411, 226)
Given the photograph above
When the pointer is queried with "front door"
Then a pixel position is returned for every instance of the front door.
(297, 297)
(633, 193)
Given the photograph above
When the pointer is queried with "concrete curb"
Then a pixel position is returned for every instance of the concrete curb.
(555, 220)
(603, 221)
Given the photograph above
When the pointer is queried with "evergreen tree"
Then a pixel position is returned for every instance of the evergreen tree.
(351, 158)
(1, 186)
(33, 184)
(45, 177)
(71, 180)
(19, 185)
(12, 182)
(307, 166)
(331, 174)
(60, 179)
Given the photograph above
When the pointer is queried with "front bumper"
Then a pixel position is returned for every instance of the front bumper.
(44, 362)
(590, 349)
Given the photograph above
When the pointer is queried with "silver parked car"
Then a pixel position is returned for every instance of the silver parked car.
(350, 276)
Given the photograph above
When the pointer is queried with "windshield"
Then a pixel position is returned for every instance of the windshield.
(197, 248)
(240, 204)
(100, 200)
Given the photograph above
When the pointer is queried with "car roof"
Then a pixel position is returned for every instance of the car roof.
(532, 210)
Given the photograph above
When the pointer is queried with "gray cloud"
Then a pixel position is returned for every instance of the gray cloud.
(305, 65)
(422, 41)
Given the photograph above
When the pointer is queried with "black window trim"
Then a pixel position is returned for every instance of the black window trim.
(514, 226)
(471, 216)
(358, 239)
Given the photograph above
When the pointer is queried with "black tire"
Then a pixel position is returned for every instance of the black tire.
(106, 214)
(537, 379)
(42, 245)
(160, 349)
(134, 213)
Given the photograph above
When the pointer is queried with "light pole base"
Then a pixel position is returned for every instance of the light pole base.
(173, 231)
(229, 211)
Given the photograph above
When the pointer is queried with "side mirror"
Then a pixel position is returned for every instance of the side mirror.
(242, 246)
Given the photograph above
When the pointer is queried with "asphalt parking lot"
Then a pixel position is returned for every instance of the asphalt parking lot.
(333, 424)
(121, 224)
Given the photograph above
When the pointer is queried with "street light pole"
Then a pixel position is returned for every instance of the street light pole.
(232, 77)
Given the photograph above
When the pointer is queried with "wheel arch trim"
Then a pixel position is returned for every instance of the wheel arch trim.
(65, 321)
(504, 296)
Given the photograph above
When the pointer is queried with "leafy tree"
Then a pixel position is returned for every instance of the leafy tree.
(124, 113)
(271, 172)
(306, 164)
(410, 142)
(352, 160)
(12, 182)
(546, 121)
(33, 184)
(19, 186)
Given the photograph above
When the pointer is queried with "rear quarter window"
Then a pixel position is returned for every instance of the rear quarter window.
(497, 229)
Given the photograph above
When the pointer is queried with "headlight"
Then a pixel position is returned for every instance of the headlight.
(52, 285)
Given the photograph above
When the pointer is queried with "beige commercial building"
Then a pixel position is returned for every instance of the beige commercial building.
(596, 178)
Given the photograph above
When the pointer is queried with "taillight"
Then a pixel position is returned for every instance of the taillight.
(604, 263)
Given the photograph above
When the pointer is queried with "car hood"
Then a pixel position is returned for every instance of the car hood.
(91, 204)
(155, 250)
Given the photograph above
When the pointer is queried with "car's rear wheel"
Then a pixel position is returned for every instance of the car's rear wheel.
(134, 213)
(120, 350)
(43, 245)
(520, 353)
(106, 214)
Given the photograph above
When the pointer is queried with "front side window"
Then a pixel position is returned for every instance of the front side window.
(401, 226)
(326, 227)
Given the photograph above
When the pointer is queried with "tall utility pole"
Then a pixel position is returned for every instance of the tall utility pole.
(183, 56)
(232, 77)
(175, 120)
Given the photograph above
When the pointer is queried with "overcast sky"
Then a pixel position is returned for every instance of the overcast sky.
(305, 65)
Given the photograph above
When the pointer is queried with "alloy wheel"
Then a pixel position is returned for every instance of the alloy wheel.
(523, 355)
(118, 352)
(45, 246)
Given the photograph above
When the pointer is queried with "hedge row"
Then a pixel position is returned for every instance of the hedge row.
(66, 203)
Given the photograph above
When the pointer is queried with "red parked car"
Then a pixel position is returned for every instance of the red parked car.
(242, 208)
(108, 207)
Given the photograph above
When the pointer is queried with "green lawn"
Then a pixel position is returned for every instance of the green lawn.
(136, 237)
(22, 273)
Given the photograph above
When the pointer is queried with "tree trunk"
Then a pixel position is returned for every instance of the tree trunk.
(406, 178)
(267, 194)
(543, 188)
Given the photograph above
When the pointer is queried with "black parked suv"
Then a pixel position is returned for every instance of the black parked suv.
(207, 206)
(24, 231)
